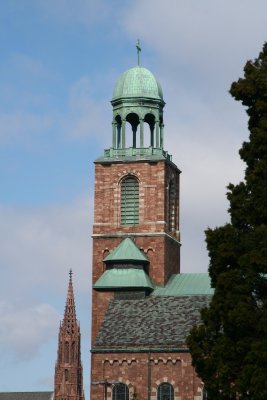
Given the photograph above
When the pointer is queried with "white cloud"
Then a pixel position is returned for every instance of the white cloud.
(40, 245)
(86, 116)
(29, 66)
(208, 36)
(22, 127)
(79, 11)
(24, 331)
(201, 48)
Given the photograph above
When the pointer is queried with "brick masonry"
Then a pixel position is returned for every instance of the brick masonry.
(143, 373)
(159, 240)
(153, 235)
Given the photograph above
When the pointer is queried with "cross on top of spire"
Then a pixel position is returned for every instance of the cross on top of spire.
(70, 274)
(138, 46)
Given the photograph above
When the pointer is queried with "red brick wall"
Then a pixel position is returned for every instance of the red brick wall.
(152, 231)
(133, 370)
(100, 302)
(161, 246)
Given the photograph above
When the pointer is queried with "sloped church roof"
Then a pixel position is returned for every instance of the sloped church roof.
(161, 320)
(153, 322)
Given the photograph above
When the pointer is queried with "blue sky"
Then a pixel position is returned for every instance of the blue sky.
(59, 62)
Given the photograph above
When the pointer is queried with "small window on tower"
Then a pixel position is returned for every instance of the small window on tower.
(171, 211)
(120, 392)
(66, 375)
(129, 201)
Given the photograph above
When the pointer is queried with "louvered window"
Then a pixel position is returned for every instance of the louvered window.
(129, 201)
(165, 392)
(120, 392)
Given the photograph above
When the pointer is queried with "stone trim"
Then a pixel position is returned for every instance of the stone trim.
(137, 234)
(166, 360)
(127, 383)
(120, 361)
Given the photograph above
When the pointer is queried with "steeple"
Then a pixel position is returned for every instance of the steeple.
(69, 320)
(68, 370)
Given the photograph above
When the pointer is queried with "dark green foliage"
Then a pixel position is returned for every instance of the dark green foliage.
(229, 348)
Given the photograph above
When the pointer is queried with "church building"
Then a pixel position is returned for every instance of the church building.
(142, 306)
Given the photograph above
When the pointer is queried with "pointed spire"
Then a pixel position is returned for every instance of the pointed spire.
(70, 314)
(68, 369)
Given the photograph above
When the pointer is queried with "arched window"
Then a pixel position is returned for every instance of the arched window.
(171, 211)
(66, 375)
(129, 201)
(72, 351)
(120, 392)
(165, 392)
(67, 352)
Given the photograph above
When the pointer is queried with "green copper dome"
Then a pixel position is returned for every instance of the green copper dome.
(137, 82)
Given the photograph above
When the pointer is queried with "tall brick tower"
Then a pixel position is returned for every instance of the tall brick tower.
(142, 307)
(68, 370)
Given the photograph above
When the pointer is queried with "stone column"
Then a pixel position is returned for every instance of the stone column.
(118, 135)
(134, 136)
(114, 126)
(157, 134)
(161, 136)
(152, 127)
(141, 132)
(123, 133)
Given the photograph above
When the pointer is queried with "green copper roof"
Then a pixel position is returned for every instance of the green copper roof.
(186, 285)
(126, 251)
(119, 278)
(137, 82)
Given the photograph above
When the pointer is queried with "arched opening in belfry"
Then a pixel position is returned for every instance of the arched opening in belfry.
(131, 137)
(149, 137)
(118, 124)
(137, 131)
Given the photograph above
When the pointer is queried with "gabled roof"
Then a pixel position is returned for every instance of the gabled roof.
(119, 278)
(152, 322)
(126, 251)
(186, 285)
(26, 395)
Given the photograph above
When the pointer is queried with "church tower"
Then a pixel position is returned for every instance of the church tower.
(68, 370)
(136, 186)
(142, 307)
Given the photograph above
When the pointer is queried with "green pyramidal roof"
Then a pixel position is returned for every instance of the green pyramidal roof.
(129, 278)
(126, 251)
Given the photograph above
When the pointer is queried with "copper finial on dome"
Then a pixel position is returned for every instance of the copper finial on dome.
(138, 46)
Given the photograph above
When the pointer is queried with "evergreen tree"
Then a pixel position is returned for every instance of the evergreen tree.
(229, 348)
